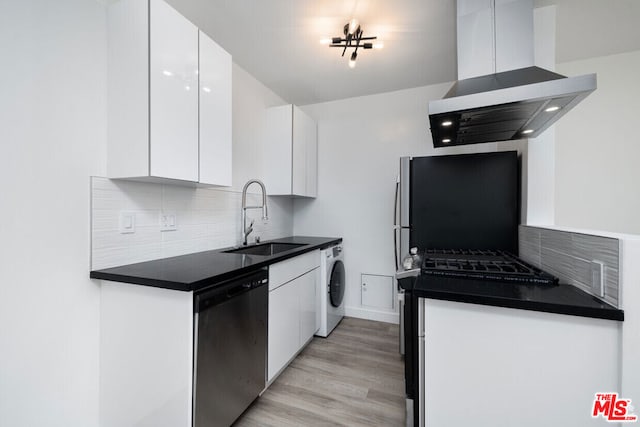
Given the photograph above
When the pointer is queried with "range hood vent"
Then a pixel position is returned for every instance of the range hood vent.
(507, 105)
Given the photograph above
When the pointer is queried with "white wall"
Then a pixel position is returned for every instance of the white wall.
(52, 134)
(360, 141)
(597, 149)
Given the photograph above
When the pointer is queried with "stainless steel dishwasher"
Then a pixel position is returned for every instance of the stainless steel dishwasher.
(230, 348)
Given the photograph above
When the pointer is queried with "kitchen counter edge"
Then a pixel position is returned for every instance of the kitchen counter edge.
(571, 300)
(124, 273)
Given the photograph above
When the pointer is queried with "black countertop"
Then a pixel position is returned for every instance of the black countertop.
(199, 270)
(561, 299)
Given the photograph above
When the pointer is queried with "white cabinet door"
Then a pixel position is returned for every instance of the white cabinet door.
(215, 113)
(291, 152)
(305, 155)
(545, 367)
(307, 290)
(284, 327)
(128, 89)
(311, 158)
(173, 94)
(146, 356)
(299, 150)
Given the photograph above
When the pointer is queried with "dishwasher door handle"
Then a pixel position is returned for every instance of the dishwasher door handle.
(238, 290)
(217, 294)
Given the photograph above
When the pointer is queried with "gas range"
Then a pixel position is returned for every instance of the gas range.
(483, 264)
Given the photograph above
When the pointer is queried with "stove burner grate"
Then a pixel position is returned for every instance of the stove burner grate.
(483, 264)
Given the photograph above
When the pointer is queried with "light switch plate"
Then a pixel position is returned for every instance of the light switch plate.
(127, 222)
(597, 278)
(168, 221)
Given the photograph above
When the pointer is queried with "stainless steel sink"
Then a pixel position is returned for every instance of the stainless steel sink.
(265, 249)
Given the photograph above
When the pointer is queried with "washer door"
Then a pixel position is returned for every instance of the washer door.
(336, 284)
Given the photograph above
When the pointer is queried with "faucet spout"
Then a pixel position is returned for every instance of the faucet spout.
(247, 230)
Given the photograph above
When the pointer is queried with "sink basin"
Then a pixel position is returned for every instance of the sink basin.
(265, 249)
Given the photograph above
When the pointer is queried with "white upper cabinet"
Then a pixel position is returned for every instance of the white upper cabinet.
(215, 113)
(169, 97)
(290, 152)
(173, 94)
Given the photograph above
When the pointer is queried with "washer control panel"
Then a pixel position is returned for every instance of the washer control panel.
(334, 251)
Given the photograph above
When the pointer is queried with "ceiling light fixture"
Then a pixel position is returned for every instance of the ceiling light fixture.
(552, 108)
(353, 39)
(527, 131)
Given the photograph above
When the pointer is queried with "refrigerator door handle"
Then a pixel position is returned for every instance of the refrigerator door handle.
(404, 190)
(396, 226)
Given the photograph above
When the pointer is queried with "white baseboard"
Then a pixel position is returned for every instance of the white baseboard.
(369, 314)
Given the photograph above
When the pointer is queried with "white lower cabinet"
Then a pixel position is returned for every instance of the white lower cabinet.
(146, 356)
(502, 367)
(284, 326)
(307, 290)
(147, 348)
(292, 309)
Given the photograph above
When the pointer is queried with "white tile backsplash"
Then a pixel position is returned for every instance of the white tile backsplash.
(207, 218)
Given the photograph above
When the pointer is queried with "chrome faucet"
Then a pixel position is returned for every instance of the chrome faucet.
(247, 230)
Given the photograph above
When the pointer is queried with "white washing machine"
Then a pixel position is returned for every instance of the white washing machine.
(330, 293)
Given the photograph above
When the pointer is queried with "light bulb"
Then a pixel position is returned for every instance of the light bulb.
(552, 108)
(378, 44)
(352, 60)
(447, 123)
(446, 140)
(527, 131)
(325, 41)
(353, 26)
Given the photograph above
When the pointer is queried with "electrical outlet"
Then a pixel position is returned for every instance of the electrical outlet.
(127, 222)
(168, 221)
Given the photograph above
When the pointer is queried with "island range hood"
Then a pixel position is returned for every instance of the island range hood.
(501, 96)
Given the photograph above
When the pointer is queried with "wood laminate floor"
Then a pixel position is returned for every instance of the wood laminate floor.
(355, 377)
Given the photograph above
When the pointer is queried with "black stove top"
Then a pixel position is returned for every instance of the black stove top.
(483, 264)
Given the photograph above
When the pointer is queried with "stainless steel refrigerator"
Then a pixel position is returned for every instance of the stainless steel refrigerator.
(468, 201)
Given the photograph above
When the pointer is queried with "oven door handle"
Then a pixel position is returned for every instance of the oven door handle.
(401, 303)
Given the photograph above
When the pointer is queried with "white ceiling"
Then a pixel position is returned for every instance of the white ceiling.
(277, 41)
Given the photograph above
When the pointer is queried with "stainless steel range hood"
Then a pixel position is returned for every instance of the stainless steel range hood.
(517, 100)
